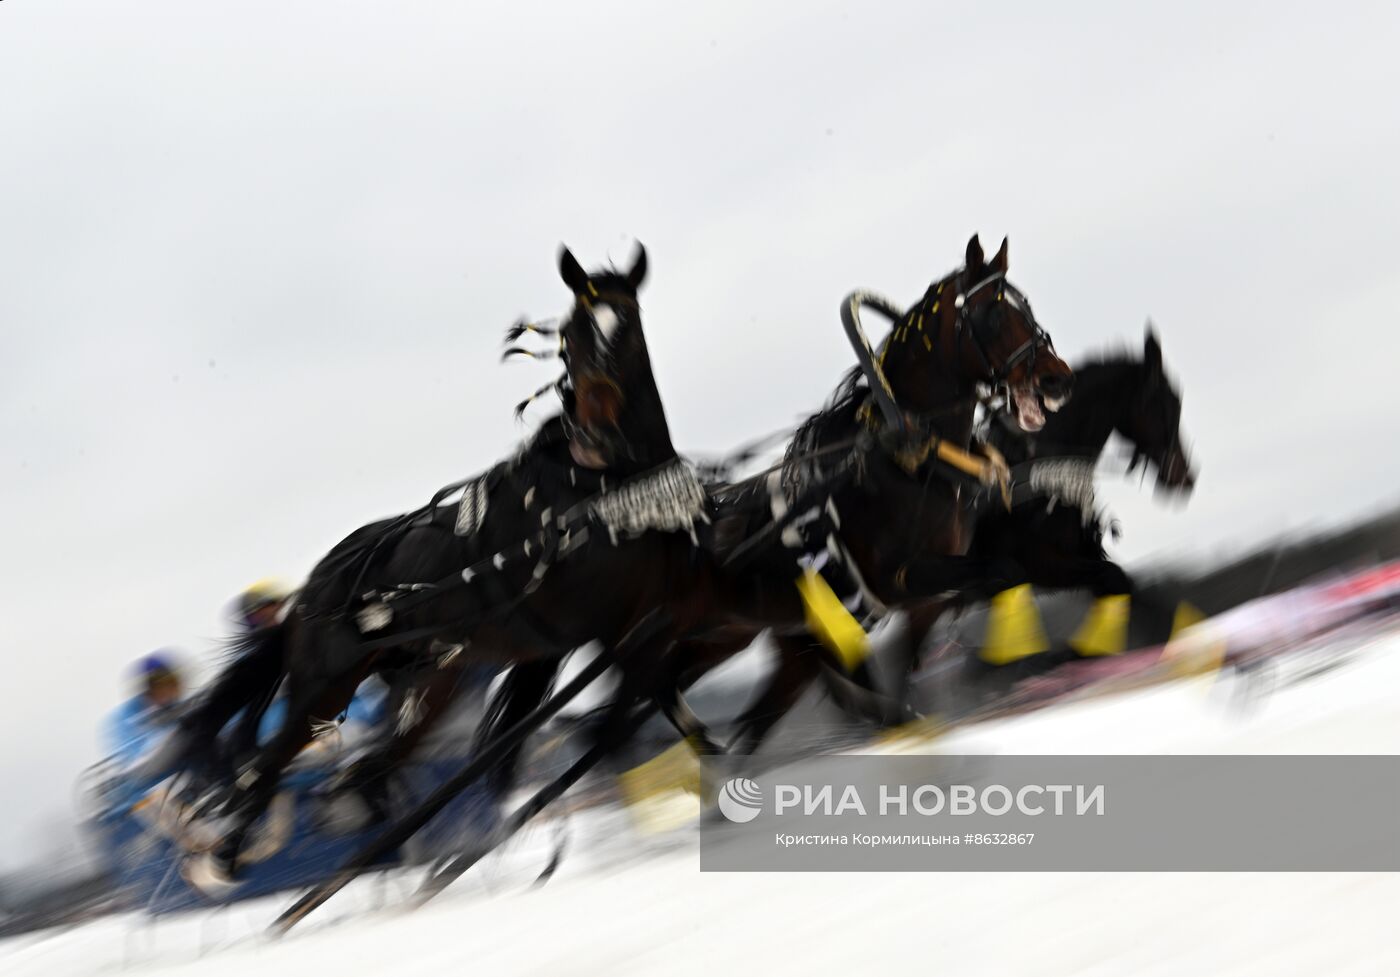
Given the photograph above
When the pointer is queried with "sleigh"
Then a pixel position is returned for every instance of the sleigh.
(142, 842)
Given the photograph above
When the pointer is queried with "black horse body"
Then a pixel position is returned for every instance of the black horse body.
(341, 628)
(1052, 536)
(936, 375)
(1054, 530)
(902, 517)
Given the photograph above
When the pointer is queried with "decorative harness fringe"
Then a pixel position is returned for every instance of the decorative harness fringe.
(1064, 480)
(670, 499)
(323, 730)
(412, 712)
(471, 512)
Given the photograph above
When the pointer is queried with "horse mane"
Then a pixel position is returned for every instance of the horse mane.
(1116, 355)
(838, 416)
(836, 419)
(611, 277)
(1112, 365)
(834, 416)
(237, 645)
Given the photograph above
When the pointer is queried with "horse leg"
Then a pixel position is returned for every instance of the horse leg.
(1104, 629)
(931, 577)
(644, 667)
(256, 786)
(455, 867)
(803, 658)
(908, 645)
(674, 767)
(654, 633)
(1102, 577)
(669, 698)
(421, 709)
(524, 687)
(798, 663)
(857, 694)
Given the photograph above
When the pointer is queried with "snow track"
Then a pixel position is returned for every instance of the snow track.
(626, 905)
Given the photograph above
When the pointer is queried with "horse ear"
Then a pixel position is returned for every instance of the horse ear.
(638, 274)
(975, 258)
(1152, 350)
(571, 271)
(999, 262)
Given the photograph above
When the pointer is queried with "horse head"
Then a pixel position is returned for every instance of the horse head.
(974, 332)
(1151, 419)
(610, 396)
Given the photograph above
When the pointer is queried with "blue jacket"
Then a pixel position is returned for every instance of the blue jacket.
(136, 727)
(366, 708)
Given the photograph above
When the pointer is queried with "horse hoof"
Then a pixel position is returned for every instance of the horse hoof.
(209, 876)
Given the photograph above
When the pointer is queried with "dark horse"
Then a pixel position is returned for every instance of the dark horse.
(878, 499)
(1053, 531)
(580, 537)
(971, 334)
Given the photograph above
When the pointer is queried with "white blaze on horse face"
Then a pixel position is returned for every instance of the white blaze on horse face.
(607, 320)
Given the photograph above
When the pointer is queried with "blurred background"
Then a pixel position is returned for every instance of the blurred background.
(255, 261)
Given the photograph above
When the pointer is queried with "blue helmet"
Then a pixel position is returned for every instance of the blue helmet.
(156, 666)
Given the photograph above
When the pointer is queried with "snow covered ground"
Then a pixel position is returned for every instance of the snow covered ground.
(625, 904)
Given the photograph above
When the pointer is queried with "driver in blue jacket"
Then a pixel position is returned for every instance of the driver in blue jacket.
(141, 723)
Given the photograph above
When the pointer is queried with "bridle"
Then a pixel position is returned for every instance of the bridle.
(590, 298)
(982, 329)
(978, 328)
(1168, 457)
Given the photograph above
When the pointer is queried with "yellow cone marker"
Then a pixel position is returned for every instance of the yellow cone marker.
(1197, 649)
(1186, 615)
(663, 793)
(1014, 630)
(675, 768)
(828, 619)
(1105, 627)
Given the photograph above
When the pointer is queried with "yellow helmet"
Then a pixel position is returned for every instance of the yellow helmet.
(261, 593)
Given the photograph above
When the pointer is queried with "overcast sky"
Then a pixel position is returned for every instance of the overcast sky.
(256, 258)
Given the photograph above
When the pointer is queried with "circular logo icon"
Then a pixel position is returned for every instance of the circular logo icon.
(740, 800)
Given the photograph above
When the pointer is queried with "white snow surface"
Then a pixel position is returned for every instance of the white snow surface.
(625, 904)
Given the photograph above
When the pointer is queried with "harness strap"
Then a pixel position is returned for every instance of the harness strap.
(558, 537)
(989, 469)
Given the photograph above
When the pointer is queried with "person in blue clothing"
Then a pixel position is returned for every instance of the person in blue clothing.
(141, 724)
(216, 739)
